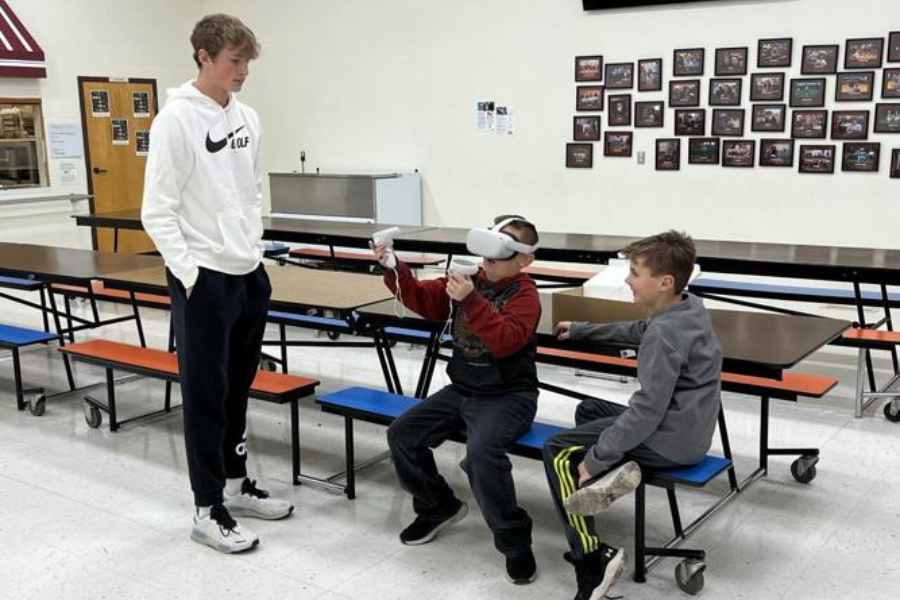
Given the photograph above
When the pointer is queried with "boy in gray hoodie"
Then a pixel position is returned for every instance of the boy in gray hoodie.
(669, 421)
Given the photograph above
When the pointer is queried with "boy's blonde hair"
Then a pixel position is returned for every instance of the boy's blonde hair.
(214, 32)
(669, 253)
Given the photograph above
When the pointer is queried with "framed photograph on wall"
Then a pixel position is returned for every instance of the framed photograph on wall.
(887, 118)
(895, 164)
(586, 129)
(850, 125)
(579, 156)
(589, 98)
(684, 93)
(819, 60)
(648, 114)
(728, 122)
(725, 92)
(890, 83)
(861, 157)
(617, 143)
(650, 75)
(776, 153)
(808, 93)
(854, 87)
(686, 62)
(731, 61)
(809, 124)
(738, 153)
(619, 76)
(690, 122)
(893, 54)
(589, 68)
(863, 53)
(774, 52)
(703, 151)
(817, 159)
(618, 111)
(668, 154)
(768, 117)
(767, 87)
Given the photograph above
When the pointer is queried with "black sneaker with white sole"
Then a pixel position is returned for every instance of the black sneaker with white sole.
(421, 531)
(521, 568)
(597, 572)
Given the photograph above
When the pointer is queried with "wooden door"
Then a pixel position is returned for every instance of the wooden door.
(116, 117)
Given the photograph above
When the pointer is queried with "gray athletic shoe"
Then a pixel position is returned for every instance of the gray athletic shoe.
(597, 496)
(256, 503)
(221, 532)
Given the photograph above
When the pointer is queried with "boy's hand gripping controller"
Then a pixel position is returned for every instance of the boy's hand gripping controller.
(385, 238)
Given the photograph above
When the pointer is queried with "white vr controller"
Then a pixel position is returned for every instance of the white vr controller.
(385, 238)
(463, 267)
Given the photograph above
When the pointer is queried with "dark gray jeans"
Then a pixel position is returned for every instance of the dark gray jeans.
(491, 424)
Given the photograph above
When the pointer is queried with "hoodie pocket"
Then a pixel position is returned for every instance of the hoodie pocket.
(238, 241)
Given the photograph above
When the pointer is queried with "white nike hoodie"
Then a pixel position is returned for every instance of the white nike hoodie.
(202, 186)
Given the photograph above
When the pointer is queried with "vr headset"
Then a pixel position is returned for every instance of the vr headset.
(496, 244)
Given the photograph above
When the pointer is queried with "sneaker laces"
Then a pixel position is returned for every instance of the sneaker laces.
(223, 518)
(249, 488)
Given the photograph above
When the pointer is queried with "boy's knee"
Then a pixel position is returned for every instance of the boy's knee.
(583, 414)
(483, 455)
(396, 435)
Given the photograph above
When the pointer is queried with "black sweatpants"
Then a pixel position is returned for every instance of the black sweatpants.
(563, 453)
(218, 336)
(492, 425)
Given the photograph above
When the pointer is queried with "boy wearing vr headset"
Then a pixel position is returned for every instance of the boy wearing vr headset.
(669, 422)
(492, 395)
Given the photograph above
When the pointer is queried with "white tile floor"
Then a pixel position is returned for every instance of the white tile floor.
(89, 514)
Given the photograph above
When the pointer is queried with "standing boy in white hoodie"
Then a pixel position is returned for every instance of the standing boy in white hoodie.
(201, 206)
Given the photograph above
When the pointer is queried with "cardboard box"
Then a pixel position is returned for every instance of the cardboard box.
(571, 305)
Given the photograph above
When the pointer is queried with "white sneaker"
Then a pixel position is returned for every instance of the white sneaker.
(597, 496)
(220, 532)
(256, 503)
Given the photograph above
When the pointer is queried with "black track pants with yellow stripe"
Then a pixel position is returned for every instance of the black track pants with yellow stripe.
(562, 455)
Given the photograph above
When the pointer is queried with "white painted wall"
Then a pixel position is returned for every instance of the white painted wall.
(123, 38)
(392, 84)
(370, 86)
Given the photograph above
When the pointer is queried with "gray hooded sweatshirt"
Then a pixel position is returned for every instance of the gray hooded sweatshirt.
(679, 365)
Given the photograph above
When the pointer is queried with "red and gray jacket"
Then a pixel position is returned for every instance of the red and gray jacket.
(494, 344)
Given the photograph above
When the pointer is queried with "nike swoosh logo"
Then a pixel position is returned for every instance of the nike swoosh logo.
(214, 147)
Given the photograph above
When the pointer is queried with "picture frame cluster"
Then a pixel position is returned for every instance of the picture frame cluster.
(802, 115)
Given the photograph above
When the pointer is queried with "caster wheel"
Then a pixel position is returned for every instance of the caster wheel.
(804, 468)
(689, 576)
(892, 411)
(333, 335)
(37, 406)
(267, 364)
(92, 416)
(392, 343)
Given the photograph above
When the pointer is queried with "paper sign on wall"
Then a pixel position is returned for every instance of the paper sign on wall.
(485, 121)
(68, 172)
(64, 140)
(504, 120)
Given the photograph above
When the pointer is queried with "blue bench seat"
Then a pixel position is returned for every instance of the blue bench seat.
(21, 283)
(13, 338)
(787, 292)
